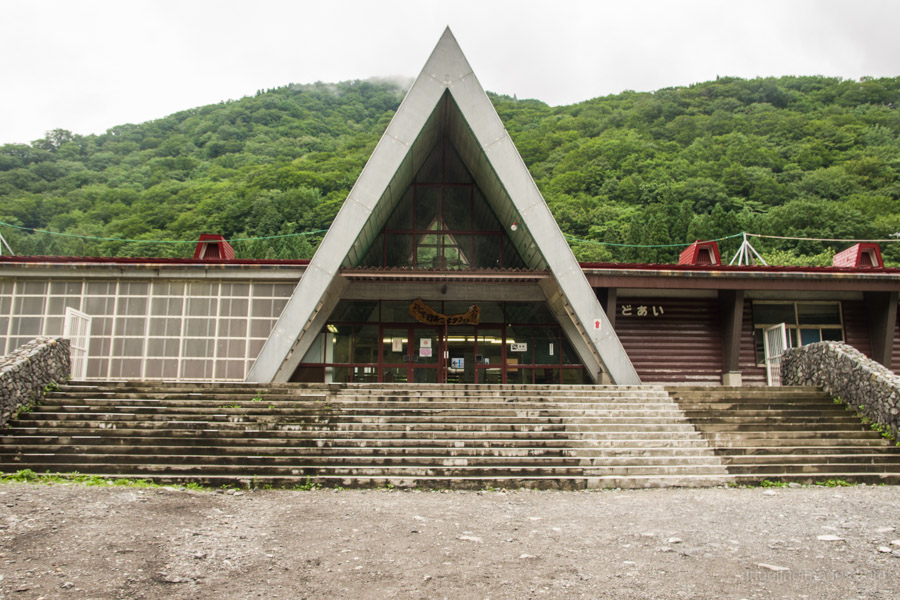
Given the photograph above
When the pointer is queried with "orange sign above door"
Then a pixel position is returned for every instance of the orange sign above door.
(423, 313)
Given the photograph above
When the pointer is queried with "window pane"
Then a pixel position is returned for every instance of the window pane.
(337, 346)
(355, 311)
(392, 356)
(490, 347)
(569, 356)
(759, 342)
(809, 336)
(819, 314)
(832, 335)
(532, 312)
(365, 344)
(770, 313)
(518, 346)
(546, 346)
(314, 354)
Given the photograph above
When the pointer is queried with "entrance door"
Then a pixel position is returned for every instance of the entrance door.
(776, 343)
(489, 356)
(426, 350)
(77, 329)
(460, 363)
(411, 354)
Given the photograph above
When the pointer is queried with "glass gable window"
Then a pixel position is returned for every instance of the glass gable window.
(806, 323)
(443, 222)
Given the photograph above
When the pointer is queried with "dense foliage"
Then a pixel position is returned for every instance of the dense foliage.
(792, 156)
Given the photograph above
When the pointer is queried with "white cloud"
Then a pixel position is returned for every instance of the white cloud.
(88, 66)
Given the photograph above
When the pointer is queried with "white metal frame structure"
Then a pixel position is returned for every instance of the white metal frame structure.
(776, 343)
(77, 329)
(178, 329)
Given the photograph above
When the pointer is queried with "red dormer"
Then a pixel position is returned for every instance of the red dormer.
(859, 256)
(700, 253)
(213, 247)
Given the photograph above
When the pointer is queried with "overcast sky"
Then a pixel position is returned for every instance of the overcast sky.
(87, 66)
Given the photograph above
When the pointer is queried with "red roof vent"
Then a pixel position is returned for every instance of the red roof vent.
(701, 253)
(213, 247)
(859, 256)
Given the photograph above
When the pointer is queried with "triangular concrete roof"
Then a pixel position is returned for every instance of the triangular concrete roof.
(445, 98)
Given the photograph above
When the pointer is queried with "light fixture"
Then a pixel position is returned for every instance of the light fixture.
(332, 328)
(514, 226)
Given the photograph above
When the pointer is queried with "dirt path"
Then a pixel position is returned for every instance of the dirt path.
(73, 541)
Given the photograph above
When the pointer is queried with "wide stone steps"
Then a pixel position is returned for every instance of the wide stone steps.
(469, 436)
(787, 434)
(498, 449)
(355, 407)
(425, 435)
(508, 416)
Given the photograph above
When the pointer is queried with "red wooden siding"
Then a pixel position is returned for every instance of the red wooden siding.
(683, 344)
(856, 326)
(895, 354)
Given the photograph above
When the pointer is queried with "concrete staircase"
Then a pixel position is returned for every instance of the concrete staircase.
(453, 436)
(787, 434)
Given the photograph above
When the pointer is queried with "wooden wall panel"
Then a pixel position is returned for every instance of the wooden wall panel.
(895, 355)
(681, 345)
(856, 326)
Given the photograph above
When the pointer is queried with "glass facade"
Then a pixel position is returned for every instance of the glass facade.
(378, 341)
(443, 222)
(164, 329)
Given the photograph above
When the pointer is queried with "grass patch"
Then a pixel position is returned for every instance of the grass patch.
(834, 483)
(768, 483)
(309, 485)
(29, 476)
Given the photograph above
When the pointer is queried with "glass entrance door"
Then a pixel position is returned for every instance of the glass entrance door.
(411, 354)
(395, 355)
(489, 352)
(460, 346)
(426, 352)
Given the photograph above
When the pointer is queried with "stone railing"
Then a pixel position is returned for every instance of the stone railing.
(25, 373)
(846, 373)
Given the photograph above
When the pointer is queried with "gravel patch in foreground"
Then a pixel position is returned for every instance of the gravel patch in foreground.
(74, 541)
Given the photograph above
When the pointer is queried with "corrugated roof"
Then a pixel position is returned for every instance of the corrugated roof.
(718, 269)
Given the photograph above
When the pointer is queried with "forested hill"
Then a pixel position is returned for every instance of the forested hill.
(791, 156)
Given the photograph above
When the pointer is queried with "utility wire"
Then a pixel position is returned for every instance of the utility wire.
(618, 245)
(567, 236)
(107, 239)
(808, 239)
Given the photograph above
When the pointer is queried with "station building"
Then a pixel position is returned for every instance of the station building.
(443, 265)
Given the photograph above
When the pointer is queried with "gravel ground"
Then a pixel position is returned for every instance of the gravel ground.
(75, 541)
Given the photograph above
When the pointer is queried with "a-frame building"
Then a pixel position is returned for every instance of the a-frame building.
(445, 212)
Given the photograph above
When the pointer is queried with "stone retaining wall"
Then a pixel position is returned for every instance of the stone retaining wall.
(846, 373)
(25, 372)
